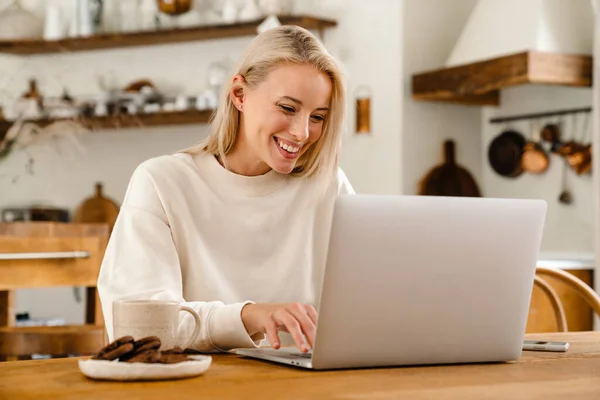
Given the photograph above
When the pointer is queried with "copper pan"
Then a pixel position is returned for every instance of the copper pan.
(535, 160)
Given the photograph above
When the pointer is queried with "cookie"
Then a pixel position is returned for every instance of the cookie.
(149, 342)
(116, 349)
(174, 350)
(173, 358)
(141, 346)
(148, 356)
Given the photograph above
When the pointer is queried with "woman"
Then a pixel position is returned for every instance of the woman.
(237, 227)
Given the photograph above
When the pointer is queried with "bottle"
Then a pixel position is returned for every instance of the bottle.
(86, 24)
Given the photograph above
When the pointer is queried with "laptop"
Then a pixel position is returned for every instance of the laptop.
(423, 280)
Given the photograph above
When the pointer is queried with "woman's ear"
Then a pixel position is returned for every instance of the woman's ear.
(238, 91)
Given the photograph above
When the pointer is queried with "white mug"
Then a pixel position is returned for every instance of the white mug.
(142, 318)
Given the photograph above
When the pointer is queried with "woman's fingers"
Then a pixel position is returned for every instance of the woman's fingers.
(299, 312)
(283, 317)
(299, 320)
(271, 331)
(312, 313)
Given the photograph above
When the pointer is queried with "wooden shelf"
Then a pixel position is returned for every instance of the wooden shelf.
(147, 38)
(480, 83)
(130, 121)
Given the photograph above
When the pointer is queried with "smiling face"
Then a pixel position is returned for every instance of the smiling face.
(280, 118)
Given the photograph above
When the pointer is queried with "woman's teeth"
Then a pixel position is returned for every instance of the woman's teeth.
(288, 148)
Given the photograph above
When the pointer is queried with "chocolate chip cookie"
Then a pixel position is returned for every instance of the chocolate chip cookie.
(116, 349)
(174, 350)
(144, 350)
(141, 346)
(173, 358)
(147, 343)
(148, 356)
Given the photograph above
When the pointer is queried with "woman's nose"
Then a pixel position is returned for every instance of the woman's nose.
(300, 129)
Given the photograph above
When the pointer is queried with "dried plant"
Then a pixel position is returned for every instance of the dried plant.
(23, 135)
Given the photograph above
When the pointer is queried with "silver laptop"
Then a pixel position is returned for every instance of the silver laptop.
(417, 280)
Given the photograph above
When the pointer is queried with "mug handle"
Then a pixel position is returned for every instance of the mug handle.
(196, 328)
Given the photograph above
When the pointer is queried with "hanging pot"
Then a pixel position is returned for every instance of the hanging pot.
(551, 134)
(581, 159)
(175, 7)
(534, 159)
(580, 155)
(505, 153)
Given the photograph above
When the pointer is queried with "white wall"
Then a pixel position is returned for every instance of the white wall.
(430, 32)
(9, 66)
(569, 228)
(367, 40)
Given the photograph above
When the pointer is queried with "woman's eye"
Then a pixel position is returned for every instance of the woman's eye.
(287, 109)
(318, 118)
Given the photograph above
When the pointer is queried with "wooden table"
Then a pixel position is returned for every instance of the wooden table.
(537, 375)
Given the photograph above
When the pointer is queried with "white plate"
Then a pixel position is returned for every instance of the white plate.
(124, 371)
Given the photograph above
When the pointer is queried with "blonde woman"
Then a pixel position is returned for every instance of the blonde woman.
(237, 227)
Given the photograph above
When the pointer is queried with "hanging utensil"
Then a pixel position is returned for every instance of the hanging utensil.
(175, 7)
(565, 196)
(580, 158)
(534, 159)
(569, 146)
(505, 153)
(551, 133)
(449, 178)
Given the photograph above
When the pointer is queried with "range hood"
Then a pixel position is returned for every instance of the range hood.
(498, 28)
(513, 42)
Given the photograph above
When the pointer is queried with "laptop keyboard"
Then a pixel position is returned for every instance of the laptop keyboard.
(303, 355)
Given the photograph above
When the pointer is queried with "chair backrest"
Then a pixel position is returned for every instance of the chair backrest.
(557, 306)
(581, 288)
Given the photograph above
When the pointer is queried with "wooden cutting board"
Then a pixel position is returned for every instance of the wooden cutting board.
(449, 178)
(97, 209)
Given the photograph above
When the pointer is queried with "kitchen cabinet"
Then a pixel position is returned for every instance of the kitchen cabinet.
(579, 315)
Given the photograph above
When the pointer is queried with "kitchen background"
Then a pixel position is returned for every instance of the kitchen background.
(382, 44)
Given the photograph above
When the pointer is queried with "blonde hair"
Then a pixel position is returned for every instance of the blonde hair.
(282, 45)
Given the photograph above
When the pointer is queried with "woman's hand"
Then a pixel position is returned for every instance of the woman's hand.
(294, 318)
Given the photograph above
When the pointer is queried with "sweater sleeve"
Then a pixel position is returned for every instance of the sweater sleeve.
(141, 262)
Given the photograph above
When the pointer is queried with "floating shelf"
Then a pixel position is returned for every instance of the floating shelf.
(480, 83)
(157, 37)
(129, 121)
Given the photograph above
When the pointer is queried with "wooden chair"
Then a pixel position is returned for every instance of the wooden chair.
(557, 306)
(35, 255)
(580, 287)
